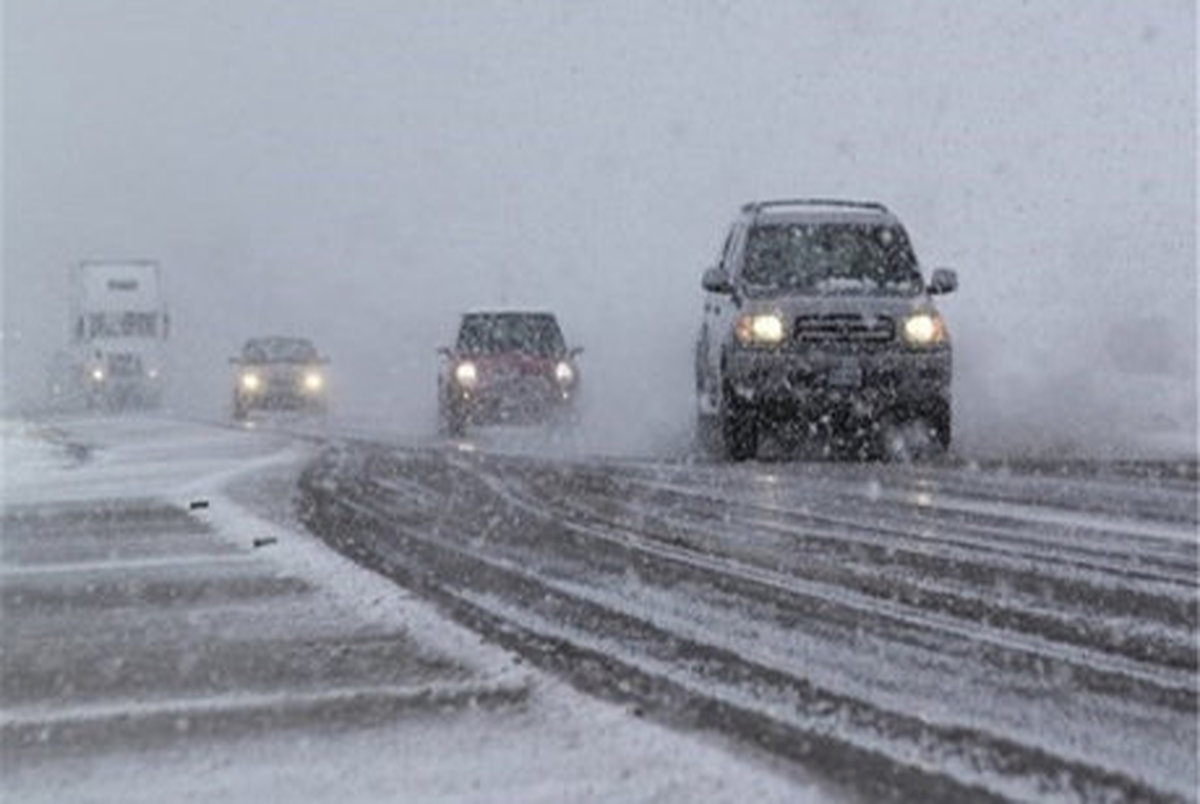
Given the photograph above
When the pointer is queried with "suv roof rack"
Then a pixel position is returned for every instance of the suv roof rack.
(754, 207)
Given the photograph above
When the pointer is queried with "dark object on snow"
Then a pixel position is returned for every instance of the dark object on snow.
(264, 541)
(196, 505)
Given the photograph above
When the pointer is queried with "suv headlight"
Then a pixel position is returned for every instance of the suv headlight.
(466, 374)
(313, 381)
(760, 328)
(250, 381)
(925, 329)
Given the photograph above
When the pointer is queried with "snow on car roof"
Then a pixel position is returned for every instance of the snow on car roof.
(825, 215)
(509, 311)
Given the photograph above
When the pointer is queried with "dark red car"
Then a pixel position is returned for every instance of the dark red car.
(507, 367)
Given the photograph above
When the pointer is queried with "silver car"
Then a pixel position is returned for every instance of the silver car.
(818, 322)
(279, 373)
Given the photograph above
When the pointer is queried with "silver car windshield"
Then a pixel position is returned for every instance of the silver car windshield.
(830, 258)
(279, 350)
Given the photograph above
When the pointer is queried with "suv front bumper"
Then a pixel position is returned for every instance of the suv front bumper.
(789, 384)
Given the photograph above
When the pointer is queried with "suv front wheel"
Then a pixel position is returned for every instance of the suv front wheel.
(453, 419)
(739, 428)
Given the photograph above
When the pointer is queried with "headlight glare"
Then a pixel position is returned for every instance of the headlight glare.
(313, 381)
(466, 374)
(98, 374)
(924, 329)
(250, 381)
(760, 328)
(564, 373)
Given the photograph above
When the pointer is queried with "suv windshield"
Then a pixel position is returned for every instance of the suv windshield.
(489, 333)
(279, 350)
(831, 258)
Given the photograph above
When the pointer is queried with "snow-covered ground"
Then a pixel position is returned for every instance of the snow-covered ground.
(556, 746)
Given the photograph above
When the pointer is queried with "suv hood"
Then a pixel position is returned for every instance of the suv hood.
(868, 307)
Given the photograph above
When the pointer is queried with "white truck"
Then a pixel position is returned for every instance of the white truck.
(120, 325)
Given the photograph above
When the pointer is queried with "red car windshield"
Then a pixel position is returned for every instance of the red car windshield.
(496, 333)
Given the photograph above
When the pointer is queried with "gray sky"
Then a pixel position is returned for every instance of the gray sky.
(361, 170)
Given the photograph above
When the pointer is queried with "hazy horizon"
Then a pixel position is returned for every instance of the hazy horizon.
(361, 172)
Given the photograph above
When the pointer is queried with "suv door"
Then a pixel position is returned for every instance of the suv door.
(719, 310)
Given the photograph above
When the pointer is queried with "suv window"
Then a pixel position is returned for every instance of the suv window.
(830, 258)
(490, 333)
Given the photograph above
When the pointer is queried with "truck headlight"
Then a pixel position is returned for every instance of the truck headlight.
(313, 381)
(924, 329)
(250, 381)
(762, 328)
(98, 374)
(564, 373)
(466, 374)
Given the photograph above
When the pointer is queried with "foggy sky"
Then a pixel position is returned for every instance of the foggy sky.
(361, 171)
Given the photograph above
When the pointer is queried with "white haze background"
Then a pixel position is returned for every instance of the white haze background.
(360, 171)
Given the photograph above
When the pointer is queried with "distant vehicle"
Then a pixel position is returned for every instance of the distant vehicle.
(279, 373)
(817, 320)
(117, 353)
(509, 367)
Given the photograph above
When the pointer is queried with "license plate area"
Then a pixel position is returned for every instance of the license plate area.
(846, 373)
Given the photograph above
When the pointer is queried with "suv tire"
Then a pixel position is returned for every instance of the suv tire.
(739, 429)
(941, 427)
(454, 421)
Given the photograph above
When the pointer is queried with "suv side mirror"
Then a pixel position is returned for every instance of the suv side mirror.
(575, 351)
(444, 351)
(716, 280)
(944, 280)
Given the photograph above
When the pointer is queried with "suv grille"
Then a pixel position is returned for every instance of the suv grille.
(844, 327)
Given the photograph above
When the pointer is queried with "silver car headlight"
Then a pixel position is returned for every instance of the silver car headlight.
(313, 381)
(250, 381)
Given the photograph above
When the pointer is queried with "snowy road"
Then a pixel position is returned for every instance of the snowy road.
(171, 633)
(916, 632)
(799, 630)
